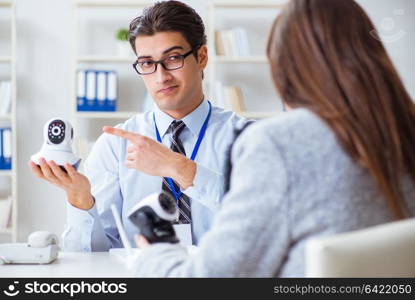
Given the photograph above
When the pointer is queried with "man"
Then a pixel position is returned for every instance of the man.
(179, 147)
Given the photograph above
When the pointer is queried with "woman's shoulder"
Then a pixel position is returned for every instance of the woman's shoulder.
(289, 127)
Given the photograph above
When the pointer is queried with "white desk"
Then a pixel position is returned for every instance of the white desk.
(95, 264)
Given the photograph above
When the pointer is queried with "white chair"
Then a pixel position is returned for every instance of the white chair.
(386, 250)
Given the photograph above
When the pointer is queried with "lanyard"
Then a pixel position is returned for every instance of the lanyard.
(195, 149)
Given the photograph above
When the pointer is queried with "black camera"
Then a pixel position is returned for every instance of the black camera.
(154, 216)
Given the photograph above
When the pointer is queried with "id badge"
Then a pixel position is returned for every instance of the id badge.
(183, 233)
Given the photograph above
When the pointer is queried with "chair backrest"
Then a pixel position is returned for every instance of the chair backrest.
(386, 250)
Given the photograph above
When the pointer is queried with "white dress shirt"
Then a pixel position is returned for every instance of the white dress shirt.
(113, 182)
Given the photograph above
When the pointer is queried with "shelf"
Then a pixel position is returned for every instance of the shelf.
(6, 231)
(132, 4)
(10, 58)
(6, 117)
(5, 4)
(5, 59)
(127, 115)
(240, 59)
(110, 59)
(105, 115)
(257, 114)
(245, 4)
(6, 172)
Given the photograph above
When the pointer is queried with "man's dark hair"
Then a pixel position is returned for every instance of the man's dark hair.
(169, 16)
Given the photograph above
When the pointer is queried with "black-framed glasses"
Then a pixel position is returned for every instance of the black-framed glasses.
(170, 63)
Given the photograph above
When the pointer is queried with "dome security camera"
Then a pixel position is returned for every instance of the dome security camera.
(154, 216)
(57, 145)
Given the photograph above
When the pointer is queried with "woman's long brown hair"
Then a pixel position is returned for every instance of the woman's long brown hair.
(325, 56)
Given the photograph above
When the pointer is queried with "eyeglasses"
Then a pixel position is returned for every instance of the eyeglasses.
(170, 63)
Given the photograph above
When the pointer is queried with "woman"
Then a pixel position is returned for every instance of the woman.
(340, 160)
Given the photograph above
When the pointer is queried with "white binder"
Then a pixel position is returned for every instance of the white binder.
(90, 87)
(7, 145)
(101, 88)
(112, 88)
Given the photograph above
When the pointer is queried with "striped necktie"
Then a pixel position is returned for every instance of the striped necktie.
(185, 216)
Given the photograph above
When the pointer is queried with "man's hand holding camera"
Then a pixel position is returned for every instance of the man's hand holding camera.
(57, 150)
(144, 154)
(76, 185)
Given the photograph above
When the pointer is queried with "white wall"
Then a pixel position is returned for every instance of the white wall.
(43, 79)
(395, 21)
(44, 31)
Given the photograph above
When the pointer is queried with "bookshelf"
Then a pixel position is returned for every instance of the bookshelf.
(6, 117)
(105, 115)
(255, 59)
(113, 4)
(104, 59)
(8, 178)
(88, 123)
(5, 59)
(252, 59)
(6, 173)
(87, 14)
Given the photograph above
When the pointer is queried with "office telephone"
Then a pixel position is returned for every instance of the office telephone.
(41, 248)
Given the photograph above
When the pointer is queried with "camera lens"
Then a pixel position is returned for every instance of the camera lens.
(167, 203)
(56, 131)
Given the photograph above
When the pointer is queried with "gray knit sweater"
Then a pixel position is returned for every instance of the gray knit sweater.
(291, 181)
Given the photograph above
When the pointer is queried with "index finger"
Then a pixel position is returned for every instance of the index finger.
(36, 169)
(71, 170)
(121, 133)
(141, 241)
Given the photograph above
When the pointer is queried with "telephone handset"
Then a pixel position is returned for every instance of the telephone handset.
(41, 248)
(39, 239)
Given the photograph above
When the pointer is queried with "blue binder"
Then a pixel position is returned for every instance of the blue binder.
(97, 90)
(6, 149)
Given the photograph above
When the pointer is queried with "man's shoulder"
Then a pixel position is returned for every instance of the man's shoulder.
(223, 117)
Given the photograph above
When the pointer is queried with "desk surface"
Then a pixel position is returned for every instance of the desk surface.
(95, 264)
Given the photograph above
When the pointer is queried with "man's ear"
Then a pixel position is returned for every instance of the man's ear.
(202, 55)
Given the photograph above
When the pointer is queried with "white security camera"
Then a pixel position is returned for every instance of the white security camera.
(154, 216)
(57, 145)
